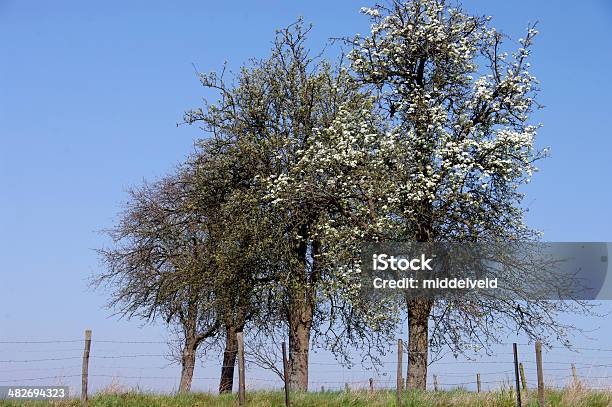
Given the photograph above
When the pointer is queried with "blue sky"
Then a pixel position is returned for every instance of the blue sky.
(90, 94)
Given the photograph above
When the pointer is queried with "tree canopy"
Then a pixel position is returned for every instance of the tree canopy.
(423, 133)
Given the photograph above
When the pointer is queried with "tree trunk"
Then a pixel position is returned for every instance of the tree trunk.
(300, 311)
(418, 342)
(300, 322)
(229, 361)
(187, 365)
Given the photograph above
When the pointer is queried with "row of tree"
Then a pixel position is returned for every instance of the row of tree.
(421, 134)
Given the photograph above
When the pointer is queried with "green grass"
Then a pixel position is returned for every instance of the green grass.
(459, 398)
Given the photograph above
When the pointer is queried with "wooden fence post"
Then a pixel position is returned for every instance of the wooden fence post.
(478, 382)
(435, 379)
(241, 385)
(85, 370)
(347, 388)
(322, 389)
(286, 374)
(523, 379)
(371, 385)
(516, 375)
(400, 354)
(538, 351)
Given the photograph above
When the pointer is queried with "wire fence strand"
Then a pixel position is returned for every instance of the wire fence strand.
(593, 372)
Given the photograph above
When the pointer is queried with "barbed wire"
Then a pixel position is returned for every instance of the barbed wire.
(13, 342)
(39, 378)
(38, 360)
(137, 342)
(51, 341)
(596, 370)
(127, 356)
(40, 369)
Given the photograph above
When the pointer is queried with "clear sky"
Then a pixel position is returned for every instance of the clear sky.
(90, 94)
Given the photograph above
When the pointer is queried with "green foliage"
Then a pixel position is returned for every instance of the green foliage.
(424, 133)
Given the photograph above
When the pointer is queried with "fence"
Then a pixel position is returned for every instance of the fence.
(94, 364)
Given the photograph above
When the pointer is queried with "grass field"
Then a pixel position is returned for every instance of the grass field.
(503, 398)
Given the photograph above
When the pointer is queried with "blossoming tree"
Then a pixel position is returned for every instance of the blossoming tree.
(438, 153)
(459, 145)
